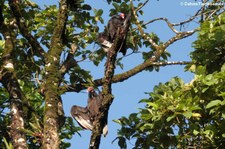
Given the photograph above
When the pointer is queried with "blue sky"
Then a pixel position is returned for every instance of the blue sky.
(128, 93)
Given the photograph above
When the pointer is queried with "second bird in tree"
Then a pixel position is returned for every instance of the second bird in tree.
(119, 22)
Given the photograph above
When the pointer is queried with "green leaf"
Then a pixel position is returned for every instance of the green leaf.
(151, 104)
(223, 135)
(117, 121)
(146, 127)
(7, 144)
(144, 101)
(223, 115)
(223, 68)
(187, 114)
(213, 103)
(116, 6)
(170, 118)
(195, 132)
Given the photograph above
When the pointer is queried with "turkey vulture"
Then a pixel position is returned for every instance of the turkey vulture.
(86, 117)
(94, 104)
(114, 23)
(106, 38)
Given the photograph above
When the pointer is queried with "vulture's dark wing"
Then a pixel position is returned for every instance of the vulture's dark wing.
(81, 115)
(114, 23)
(124, 32)
(94, 105)
(104, 41)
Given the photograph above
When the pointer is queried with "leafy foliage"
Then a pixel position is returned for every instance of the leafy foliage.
(180, 115)
(185, 115)
(210, 46)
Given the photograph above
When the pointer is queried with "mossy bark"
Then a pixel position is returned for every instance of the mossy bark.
(54, 114)
(106, 93)
(9, 81)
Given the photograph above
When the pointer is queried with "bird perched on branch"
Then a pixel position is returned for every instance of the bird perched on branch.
(117, 27)
(87, 116)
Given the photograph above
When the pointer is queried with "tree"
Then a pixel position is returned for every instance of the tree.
(185, 115)
(39, 50)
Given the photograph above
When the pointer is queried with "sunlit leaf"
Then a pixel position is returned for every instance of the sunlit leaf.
(213, 103)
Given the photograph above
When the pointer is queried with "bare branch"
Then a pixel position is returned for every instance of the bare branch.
(160, 48)
(190, 19)
(172, 25)
(213, 13)
(178, 36)
(171, 63)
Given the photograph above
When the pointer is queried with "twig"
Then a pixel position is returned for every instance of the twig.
(141, 6)
(173, 24)
(190, 19)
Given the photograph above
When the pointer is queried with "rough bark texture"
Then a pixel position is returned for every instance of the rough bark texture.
(106, 93)
(17, 136)
(9, 80)
(54, 114)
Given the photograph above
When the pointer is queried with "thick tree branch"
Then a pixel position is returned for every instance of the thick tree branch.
(122, 76)
(17, 12)
(9, 80)
(126, 75)
(106, 93)
(54, 114)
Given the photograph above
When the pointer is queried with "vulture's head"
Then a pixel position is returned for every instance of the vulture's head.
(122, 15)
(90, 89)
(91, 92)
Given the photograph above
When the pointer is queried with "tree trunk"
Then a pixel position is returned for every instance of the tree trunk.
(16, 106)
(54, 114)
(10, 83)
